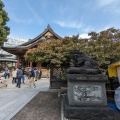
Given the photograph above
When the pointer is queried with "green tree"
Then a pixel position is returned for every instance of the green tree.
(105, 47)
(4, 30)
(54, 52)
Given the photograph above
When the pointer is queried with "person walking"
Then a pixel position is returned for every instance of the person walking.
(27, 76)
(23, 76)
(32, 76)
(8, 73)
(19, 76)
(14, 74)
(48, 73)
(5, 70)
(36, 74)
(39, 74)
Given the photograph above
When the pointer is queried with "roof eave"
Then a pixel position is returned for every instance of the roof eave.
(39, 36)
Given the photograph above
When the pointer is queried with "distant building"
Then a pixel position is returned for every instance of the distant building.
(20, 50)
(15, 41)
(11, 43)
(6, 57)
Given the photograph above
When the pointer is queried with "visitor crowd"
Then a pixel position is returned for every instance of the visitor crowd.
(20, 76)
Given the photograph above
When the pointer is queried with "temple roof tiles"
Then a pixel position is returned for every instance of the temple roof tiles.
(40, 36)
(33, 42)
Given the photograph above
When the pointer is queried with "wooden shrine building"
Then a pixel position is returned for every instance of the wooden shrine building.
(20, 50)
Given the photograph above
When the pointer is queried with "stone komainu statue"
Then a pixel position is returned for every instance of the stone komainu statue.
(80, 59)
(83, 64)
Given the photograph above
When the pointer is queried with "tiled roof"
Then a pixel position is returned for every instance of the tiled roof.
(7, 60)
(31, 43)
(39, 36)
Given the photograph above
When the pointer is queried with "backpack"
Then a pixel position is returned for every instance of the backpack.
(5, 74)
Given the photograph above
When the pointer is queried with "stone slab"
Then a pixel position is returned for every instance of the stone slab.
(87, 113)
(86, 94)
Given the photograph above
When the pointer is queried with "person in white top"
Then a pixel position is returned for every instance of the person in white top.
(2, 78)
(14, 74)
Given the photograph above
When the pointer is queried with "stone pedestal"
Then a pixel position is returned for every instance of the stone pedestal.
(86, 113)
(86, 98)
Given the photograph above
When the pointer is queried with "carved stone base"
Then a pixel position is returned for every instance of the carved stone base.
(86, 113)
(86, 90)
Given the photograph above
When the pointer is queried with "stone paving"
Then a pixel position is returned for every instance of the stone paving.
(44, 106)
(13, 99)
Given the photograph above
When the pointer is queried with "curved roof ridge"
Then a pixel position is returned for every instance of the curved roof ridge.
(39, 36)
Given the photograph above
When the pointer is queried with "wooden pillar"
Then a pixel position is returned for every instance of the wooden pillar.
(30, 64)
(18, 61)
(51, 74)
(15, 65)
(38, 65)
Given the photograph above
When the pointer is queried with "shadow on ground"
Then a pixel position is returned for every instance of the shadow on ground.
(44, 106)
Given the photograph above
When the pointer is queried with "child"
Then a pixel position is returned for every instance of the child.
(2, 78)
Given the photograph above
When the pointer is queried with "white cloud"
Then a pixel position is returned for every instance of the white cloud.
(69, 24)
(63, 10)
(84, 36)
(37, 17)
(106, 27)
(110, 6)
(88, 29)
(18, 20)
(17, 37)
(106, 2)
(116, 26)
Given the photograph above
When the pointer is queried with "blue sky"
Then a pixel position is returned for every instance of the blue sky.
(29, 18)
